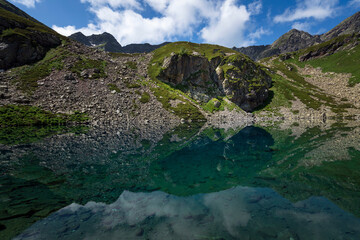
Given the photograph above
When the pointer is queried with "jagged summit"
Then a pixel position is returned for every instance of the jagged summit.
(348, 26)
(295, 40)
(107, 42)
(291, 41)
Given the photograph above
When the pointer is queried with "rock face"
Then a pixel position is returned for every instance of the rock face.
(330, 47)
(289, 42)
(107, 42)
(348, 26)
(234, 76)
(22, 41)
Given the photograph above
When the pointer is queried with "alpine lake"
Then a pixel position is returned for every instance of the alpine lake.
(249, 182)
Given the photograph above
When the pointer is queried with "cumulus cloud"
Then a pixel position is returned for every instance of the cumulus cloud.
(27, 3)
(222, 22)
(318, 9)
(228, 26)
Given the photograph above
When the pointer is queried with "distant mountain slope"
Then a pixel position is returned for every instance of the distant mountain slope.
(348, 26)
(295, 40)
(291, 41)
(107, 42)
(23, 40)
(12, 8)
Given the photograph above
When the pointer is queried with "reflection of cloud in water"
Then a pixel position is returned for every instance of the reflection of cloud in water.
(237, 213)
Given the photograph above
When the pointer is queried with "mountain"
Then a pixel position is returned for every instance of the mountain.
(22, 39)
(348, 26)
(104, 41)
(12, 8)
(107, 42)
(291, 41)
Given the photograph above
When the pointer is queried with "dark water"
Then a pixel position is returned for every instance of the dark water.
(246, 183)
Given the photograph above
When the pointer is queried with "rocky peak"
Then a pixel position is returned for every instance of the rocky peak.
(80, 37)
(289, 42)
(348, 26)
(295, 40)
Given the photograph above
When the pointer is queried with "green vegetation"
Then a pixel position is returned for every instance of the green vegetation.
(145, 97)
(186, 110)
(295, 87)
(207, 50)
(113, 87)
(345, 61)
(224, 104)
(131, 65)
(27, 76)
(29, 25)
(14, 115)
(133, 85)
(85, 63)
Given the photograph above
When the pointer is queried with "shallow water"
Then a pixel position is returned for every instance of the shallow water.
(246, 183)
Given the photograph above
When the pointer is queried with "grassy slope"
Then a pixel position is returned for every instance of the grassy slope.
(285, 90)
(345, 61)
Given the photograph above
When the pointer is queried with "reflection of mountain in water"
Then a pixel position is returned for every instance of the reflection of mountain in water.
(237, 213)
(207, 166)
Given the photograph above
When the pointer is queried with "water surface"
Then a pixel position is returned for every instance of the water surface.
(245, 183)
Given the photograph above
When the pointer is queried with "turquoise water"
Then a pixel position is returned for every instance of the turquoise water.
(246, 183)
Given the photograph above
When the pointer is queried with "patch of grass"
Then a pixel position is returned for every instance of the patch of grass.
(26, 23)
(187, 110)
(145, 97)
(86, 63)
(307, 93)
(18, 115)
(133, 85)
(113, 87)
(131, 65)
(224, 104)
(345, 61)
(29, 75)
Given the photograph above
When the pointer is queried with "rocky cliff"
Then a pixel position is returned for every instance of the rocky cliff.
(206, 72)
(23, 41)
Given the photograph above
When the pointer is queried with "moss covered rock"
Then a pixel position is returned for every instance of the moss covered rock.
(209, 71)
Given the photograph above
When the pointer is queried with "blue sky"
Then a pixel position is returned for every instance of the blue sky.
(224, 22)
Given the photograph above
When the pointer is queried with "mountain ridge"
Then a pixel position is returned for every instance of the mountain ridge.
(295, 40)
(107, 42)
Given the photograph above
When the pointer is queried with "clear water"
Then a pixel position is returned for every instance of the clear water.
(246, 183)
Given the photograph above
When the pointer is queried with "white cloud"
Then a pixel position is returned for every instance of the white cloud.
(355, 3)
(227, 28)
(221, 22)
(113, 3)
(303, 26)
(27, 3)
(255, 7)
(259, 33)
(318, 9)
